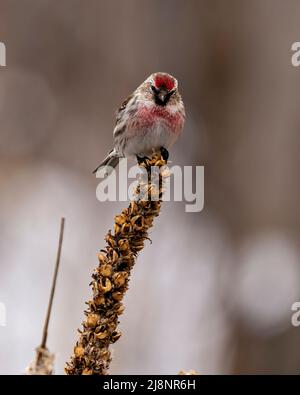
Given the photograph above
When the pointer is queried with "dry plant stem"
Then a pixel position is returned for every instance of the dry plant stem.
(45, 330)
(44, 361)
(92, 354)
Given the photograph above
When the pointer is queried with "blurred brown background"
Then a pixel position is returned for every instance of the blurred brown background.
(214, 290)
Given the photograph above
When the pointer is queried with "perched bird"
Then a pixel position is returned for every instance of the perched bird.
(150, 119)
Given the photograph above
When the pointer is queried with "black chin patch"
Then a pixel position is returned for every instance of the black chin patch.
(161, 102)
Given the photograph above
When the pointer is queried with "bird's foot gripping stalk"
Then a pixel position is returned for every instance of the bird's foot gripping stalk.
(164, 153)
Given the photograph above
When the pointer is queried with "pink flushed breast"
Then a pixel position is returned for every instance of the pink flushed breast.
(147, 117)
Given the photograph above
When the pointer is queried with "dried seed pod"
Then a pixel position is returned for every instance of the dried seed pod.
(156, 208)
(115, 336)
(144, 204)
(87, 372)
(94, 285)
(101, 258)
(160, 163)
(99, 300)
(87, 362)
(123, 244)
(148, 221)
(139, 247)
(117, 229)
(129, 260)
(104, 285)
(105, 355)
(126, 228)
(137, 222)
(105, 270)
(119, 278)
(120, 219)
(133, 207)
(92, 305)
(112, 326)
(101, 335)
(109, 238)
(125, 212)
(100, 328)
(92, 319)
(115, 257)
(117, 296)
(79, 351)
(120, 309)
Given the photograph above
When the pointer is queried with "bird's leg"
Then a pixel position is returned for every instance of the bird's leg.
(141, 159)
(164, 153)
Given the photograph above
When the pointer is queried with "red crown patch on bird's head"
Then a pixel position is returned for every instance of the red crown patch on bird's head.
(164, 81)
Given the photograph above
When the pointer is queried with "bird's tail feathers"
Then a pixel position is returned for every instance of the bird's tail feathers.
(109, 163)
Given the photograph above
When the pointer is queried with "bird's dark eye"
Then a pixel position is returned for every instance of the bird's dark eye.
(154, 90)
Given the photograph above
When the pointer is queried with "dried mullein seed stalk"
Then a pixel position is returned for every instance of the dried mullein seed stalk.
(92, 354)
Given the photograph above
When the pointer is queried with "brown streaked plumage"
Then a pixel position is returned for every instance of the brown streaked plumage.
(150, 119)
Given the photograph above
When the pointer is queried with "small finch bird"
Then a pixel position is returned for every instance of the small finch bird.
(149, 120)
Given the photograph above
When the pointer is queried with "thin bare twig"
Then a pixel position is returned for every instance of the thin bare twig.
(45, 330)
(44, 360)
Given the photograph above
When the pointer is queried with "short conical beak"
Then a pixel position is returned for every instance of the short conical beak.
(162, 95)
